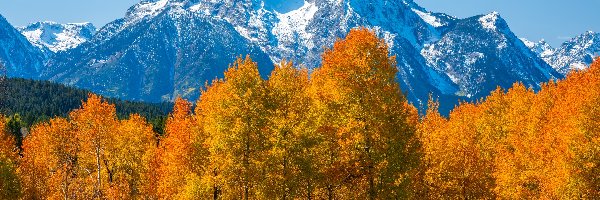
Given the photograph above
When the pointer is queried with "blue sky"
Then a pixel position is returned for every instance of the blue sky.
(554, 20)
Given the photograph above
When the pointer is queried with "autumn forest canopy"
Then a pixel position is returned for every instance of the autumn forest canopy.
(343, 131)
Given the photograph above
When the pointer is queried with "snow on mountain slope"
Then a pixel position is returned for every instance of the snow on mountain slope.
(429, 18)
(155, 55)
(489, 21)
(20, 58)
(542, 48)
(293, 25)
(165, 48)
(58, 37)
(576, 54)
(481, 53)
(302, 35)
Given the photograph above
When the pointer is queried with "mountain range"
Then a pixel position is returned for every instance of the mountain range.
(575, 54)
(162, 49)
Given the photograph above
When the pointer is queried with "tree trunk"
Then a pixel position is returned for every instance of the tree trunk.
(330, 192)
(99, 180)
(246, 166)
(285, 172)
(309, 191)
(216, 190)
(215, 193)
(110, 172)
(371, 188)
(285, 189)
(369, 143)
(66, 186)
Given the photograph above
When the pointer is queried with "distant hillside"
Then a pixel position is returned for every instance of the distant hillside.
(37, 101)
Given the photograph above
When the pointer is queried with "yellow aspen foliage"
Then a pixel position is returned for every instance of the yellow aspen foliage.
(234, 116)
(132, 148)
(208, 109)
(511, 150)
(10, 186)
(525, 165)
(361, 114)
(585, 140)
(290, 174)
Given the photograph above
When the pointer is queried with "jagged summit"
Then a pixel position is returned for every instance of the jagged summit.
(590, 34)
(493, 21)
(541, 48)
(575, 54)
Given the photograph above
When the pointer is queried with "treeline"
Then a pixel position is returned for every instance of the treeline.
(344, 132)
(28, 102)
(38, 101)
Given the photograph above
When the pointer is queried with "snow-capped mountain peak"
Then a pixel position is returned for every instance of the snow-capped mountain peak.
(528, 43)
(586, 40)
(58, 37)
(146, 8)
(474, 51)
(489, 21)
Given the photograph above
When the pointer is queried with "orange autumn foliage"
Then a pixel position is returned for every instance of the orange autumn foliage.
(90, 155)
(456, 155)
(344, 131)
(181, 156)
(49, 162)
(521, 144)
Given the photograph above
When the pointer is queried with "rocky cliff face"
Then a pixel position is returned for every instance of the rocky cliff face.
(19, 57)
